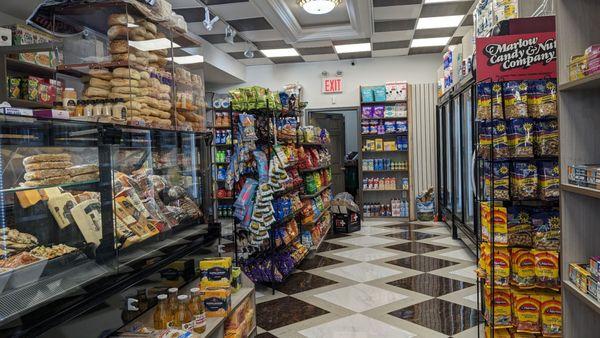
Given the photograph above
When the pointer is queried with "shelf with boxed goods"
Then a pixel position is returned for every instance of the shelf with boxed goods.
(122, 72)
(56, 176)
(385, 120)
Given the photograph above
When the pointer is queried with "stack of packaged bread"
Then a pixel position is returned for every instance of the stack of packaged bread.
(190, 100)
(55, 169)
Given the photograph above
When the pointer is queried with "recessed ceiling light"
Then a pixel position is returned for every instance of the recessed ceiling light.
(353, 48)
(429, 42)
(280, 52)
(154, 44)
(318, 6)
(186, 60)
(439, 22)
(439, 1)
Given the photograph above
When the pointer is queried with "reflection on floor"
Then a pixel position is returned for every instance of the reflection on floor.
(386, 281)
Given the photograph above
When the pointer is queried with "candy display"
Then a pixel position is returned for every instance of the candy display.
(383, 164)
(396, 208)
(375, 127)
(380, 144)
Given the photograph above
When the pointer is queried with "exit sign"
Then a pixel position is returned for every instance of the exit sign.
(332, 85)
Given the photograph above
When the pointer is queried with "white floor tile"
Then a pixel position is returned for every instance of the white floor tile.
(361, 297)
(372, 231)
(356, 326)
(377, 223)
(363, 272)
(435, 230)
(365, 254)
(367, 241)
(468, 272)
(447, 241)
(459, 254)
(471, 298)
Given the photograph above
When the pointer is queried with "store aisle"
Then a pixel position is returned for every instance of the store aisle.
(388, 280)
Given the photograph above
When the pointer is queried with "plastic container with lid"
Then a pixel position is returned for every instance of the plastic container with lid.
(107, 108)
(88, 110)
(98, 107)
(69, 100)
(119, 109)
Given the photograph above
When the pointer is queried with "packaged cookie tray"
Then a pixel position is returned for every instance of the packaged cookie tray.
(61, 263)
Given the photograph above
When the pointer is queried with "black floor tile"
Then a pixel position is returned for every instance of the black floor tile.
(431, 285)
(422, 263)
(266, 335)
(412, 235)
(338, 235)
(408, 226)
(439, 315)
(326, 246)
(285, 311)
(416, 247)
(303, 281)
(317, 262)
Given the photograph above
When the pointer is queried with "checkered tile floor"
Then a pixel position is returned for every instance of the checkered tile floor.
(387, 280)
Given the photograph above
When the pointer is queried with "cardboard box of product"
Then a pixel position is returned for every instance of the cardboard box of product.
(16, 111)
(25, 35)
(51, 113)
(5, 37)
(378, 144)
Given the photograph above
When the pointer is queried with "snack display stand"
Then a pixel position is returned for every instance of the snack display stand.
(578, 84)
(384, 157)
(91, 204)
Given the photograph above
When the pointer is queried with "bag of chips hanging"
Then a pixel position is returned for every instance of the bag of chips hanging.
(546, 138)
(551, 316)
(527, 306)
(547, 268)
(520, 137)
(497, 110)
(501, 318)
(522, 268)
(484, 101)
(515, 99)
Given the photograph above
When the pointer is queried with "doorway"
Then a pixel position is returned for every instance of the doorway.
(339, 127)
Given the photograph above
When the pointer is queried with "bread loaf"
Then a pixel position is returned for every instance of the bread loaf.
(117, 31)
(128, 57)
(101, 73)
(96, 92)
(120, 82)
(121, 96)
(47, 165)
(44, 174)
(125, 90)
(120, 19)
(126, 73)
(119, 46)
(99, 83)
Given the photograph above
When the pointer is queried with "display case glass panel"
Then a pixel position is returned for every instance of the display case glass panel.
(457, 159)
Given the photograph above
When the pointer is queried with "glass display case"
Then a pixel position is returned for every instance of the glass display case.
(104, 159)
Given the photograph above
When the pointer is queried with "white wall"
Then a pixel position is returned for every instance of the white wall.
(414, 69)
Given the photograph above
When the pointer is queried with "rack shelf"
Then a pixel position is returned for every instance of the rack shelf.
(385, 171)
(309, 144)
(384, 118)
(303, 197)
(383, 190)
(384, 135)
(19, 103)
(309, 224)
(308, 170)
(383, 102)
(29, 68)
(383, 151)
(315, 248)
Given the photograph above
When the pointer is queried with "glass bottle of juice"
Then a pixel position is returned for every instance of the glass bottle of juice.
(172, 300)
(162, 314)
(183, 316)
(197, 309)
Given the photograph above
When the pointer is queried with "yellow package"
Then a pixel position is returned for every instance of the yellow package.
(378, 144)
(502, 307)
(523, 335)
(484, 260)
(551, 316)
(498, 333)
(389, 145)
(500, 259)
(216, 272)
(547, 269)
(370, 145)
(499, 226)
(217, 301)
(522, 263)
(526, 311)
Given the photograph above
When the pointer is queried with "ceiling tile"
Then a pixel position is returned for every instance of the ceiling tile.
(218, 38)
(392, 36)
(311, 44)
(288, 59)
(434, 33)
(425, 50)
(446, 8)
(455, 40)
(396, 12)
(235, 11)
(320, 57)
(220, 2)
(264, 35)
(274, 44)
(391, 45)
(351, 41)
(390, 52)
(316, 50)
(195, 14)
(394, 25)
(256, 61)
(240, 55)
(357, 55)
(184, 3)
(384, 3)
(198, 28)
(251, 24)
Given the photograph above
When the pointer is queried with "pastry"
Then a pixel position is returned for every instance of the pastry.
(82, 169)
(119, 46)
(117, 31)
(47, 165)
(101, 73)
(128, 57)
(120, 82)
(47, 158)
(126, 73)
(48, 181)
(120, 19)
(85, 177)
(43, 174)
(149, 26)
(97, 92)
(99, 83)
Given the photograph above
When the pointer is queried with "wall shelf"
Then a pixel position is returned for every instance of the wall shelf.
(587, 83)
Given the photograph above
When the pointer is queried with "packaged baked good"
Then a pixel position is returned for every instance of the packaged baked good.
(549, 180)
(500, 147)
(500, 172)
(546, 138)
(497, 110)
(520, 137)
(126, 73)
(484, 101)
(101, 73)
(546, 230)
(515, 99)
(120, 19)
(524, 181)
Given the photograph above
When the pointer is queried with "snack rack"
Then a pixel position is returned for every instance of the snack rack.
(401, 159)
(499, 283)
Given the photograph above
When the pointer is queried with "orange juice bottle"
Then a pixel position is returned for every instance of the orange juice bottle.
(172, 300)
(197, 309)
(162, 314)
(183, 316)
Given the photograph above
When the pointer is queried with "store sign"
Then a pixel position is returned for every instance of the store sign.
(331, 85)
(516, 57)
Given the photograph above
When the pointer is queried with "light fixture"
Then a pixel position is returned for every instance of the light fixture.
(429, 42)
(318, 6)
(229, 34)
(154, 44)
(186, 60)
(353, 48)
(439, 22)
(208, 22)
(278, 53)
(248, 53)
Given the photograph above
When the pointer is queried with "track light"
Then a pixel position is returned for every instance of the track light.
(249, 53)
(208, 22)
(229, 34)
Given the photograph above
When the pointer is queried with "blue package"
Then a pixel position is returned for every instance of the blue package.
(379, 94)
(367, 94)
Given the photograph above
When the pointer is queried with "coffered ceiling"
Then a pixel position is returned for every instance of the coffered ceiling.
(389, 26)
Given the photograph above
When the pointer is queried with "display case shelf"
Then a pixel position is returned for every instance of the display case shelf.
(85, 185)
(19, 103)
(383, 135)
(384, 118)
(28, 68)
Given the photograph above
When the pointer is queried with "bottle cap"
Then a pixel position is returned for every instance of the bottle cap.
(172, 290)
(182, 297)
(161, 297)
(194, 290)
